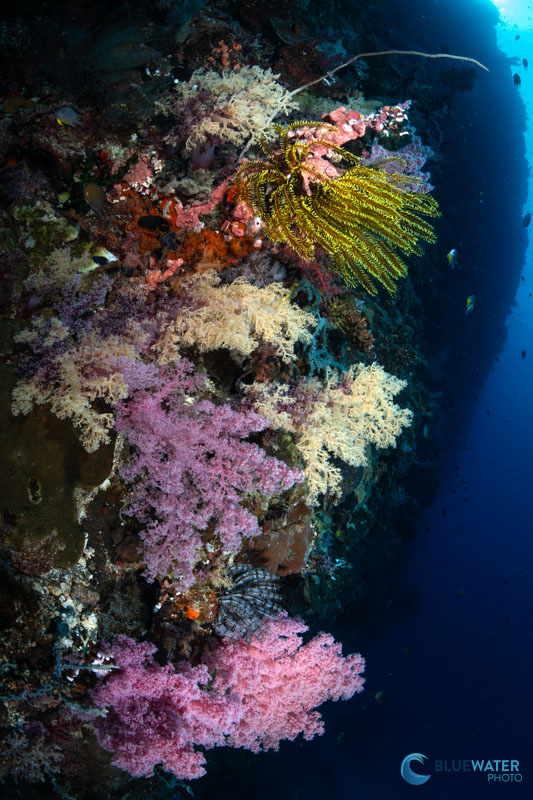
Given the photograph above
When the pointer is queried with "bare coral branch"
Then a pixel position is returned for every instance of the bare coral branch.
(356, 58)
(387, 53)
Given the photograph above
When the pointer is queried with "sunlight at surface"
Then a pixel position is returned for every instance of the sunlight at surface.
(515, 39)
(517, 12)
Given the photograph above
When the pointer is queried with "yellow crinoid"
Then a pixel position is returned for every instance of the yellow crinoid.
(362, 216)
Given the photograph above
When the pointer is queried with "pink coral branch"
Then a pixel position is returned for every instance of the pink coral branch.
(280, 681)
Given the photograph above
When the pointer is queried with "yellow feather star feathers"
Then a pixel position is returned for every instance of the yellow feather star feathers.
(364, 218)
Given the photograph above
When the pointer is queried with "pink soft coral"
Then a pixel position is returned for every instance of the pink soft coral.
(189, 216)
(264, 691)
(280, 681)
(157, 714)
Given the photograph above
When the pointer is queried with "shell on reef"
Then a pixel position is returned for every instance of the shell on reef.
(254, 595)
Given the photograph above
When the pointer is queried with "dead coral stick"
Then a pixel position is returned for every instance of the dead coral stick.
(367, 55)
(387, 53)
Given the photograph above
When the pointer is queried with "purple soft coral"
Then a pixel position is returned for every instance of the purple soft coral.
(191, 467)
(76, 304)
(409, 160)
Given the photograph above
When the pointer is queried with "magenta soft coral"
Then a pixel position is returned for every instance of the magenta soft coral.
(280, 681)
(264, 691)
(191, 467)
(156, 715)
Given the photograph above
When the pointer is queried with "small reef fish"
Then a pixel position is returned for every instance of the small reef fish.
(95, 197)
(102, 256)
(470, 303)
(13, 104)
(65, 115)
(526, 219)
(516, 79)
(453, 259)
(524, 63)
(153, 222)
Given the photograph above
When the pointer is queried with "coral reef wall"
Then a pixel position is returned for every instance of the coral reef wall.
(215, 392)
